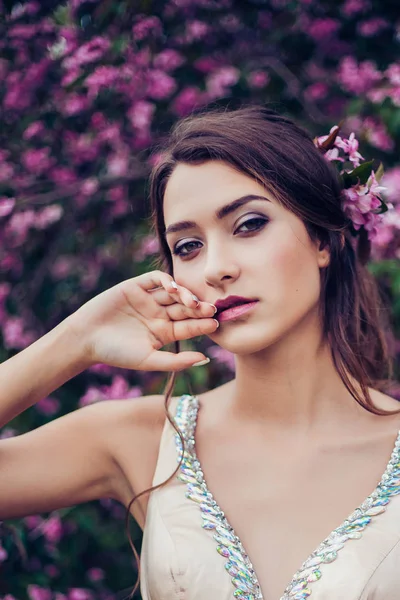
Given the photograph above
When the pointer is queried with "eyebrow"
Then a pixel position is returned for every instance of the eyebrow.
(220, 214)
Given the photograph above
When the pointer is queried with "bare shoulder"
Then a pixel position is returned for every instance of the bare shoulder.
(133, 428)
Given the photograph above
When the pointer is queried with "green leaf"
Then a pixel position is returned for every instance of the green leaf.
(379, 172)
(359, 174)
(61, 15)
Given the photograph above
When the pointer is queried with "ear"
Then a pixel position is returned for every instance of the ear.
(323, 254)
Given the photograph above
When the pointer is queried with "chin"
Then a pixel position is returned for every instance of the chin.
(242, 341)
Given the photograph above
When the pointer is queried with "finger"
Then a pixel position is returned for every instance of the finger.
(154, 279)
(178, 312)
(162, 297)
(150, 282)
(190, 328)
(168, 361)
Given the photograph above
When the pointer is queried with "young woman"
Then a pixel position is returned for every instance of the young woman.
(281, 483)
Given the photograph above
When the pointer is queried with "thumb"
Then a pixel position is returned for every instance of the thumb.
(169, 361)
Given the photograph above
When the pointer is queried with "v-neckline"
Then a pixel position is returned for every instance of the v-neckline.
(238, 565)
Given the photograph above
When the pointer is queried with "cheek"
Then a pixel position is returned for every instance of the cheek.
(292, 263)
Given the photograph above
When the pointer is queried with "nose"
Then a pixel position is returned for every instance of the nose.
(221, 265)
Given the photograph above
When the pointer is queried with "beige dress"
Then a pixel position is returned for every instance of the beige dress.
(190, 552)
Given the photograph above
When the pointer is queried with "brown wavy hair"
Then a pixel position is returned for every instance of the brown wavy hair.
(282, 156)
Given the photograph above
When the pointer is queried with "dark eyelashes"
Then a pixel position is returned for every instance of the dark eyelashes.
(259, 222)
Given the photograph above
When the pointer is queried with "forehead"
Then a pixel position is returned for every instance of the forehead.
(205, 187)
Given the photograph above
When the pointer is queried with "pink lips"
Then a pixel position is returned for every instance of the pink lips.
(233, 307)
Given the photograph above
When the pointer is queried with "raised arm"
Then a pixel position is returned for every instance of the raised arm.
(77, 457)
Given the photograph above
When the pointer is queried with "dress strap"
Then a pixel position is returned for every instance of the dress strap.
(180, 409)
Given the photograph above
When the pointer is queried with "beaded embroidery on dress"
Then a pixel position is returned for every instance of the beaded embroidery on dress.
(238, 565)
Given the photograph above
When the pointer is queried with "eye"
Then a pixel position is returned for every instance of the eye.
(253, 224)
(186, 248)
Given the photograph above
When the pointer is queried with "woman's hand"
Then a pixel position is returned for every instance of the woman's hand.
(126, 325)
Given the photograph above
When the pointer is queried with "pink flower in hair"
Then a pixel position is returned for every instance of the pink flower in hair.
(350, 147)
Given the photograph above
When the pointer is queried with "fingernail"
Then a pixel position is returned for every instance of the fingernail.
(195, 298)
(217, 322)
(215, 308)
(174, 285)
(201, 362)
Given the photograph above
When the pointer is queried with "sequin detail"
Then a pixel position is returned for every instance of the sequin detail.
(229, 546)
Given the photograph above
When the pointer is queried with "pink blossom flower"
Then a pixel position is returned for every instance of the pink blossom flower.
(48, 216)
(116, 193)
(393, 74)
(258, 79)
(147, 26)
(321, 29)
(160, 85)
(71, 76)
(361, 203)
(90, 186)
(141, 113)
(87, 53)
(91, 395)
(15, 335)
(80, 594)
(36, 592)
(118, 165)
(119, 208)
(149, 245)
(32, 521)
(119, 388)
(207, 64)
(48, 406)
(102, 76)
(25, 32)
(5, 289)
(98, 120)
(372, 26)
(196, 30)
(8, 432)
(6, 171)
(3, 554)
(358, 78)
(62, 267)
(350, 147)
(219, 82)
(20, 223)
(6, 206)
(316, 91)
(34, 129)
(354, 7)
(168, 60)
(95, 574)
(28, 8)
(62, 175)
(52, 571)
(52, 529)
(37, 160)
(188, 99)
(377, 135)
(391, 181)
(74, 104)
(222, 356)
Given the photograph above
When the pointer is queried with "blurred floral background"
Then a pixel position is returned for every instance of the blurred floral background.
(88, 89)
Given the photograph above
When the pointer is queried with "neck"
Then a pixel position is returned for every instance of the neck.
(293, 385)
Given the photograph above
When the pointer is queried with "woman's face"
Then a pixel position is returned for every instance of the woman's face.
(254, 248)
